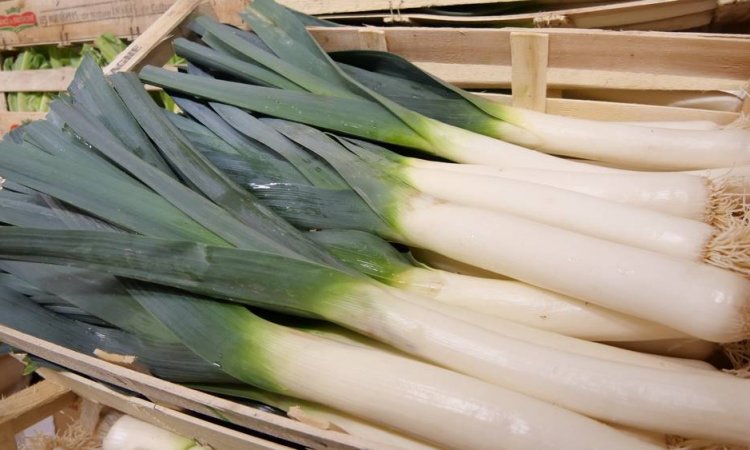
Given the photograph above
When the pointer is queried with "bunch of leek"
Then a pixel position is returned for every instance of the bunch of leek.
(232, 248)
(177, 235)
(144, 196)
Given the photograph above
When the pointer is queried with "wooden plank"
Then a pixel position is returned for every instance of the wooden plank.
(729, 12)
(652, 53)
(611, 111)
(90, 409)
(687, 22)
(56, 22)
(149, 47)
(3, 101)
(10, 120)
(649, 13)
(25, 408)
(632, 13)
(372, 39)
(217, 436)
(53, 80)
(481, 58)
(48, 80)
(529, 53)
(164, 391)
(7, 438)
(342, 6)
(483, 76)
(10, 373)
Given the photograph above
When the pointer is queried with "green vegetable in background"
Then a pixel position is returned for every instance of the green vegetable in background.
(104, 50)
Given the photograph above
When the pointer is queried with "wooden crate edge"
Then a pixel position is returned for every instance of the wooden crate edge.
(163, 391)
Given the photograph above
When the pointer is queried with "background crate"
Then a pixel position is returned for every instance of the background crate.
(69, 398)
(577, 61)
(165, 398)
(569, 61)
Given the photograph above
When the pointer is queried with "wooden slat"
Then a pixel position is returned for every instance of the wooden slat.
(90, 410)
(642, 15)
(483, 76)
(8, 120)
(481, 58)
(341, 6)
(671, 54)
(153, 46)
(51, 80)
(57, 22)
(372, 39)
(48, 80)
(687, 22)
(3, 102)
(218, 437)
(729, 12)
(25, 408)
(10, 373)
(7, 439)
(633, 13)
(529, 53)
(599, 110)
(164, 391)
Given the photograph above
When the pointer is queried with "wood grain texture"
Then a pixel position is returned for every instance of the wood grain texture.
(341, 6)
(639, 15)
(3, 101)
(10, 373)
(164, 391)
(372, 39)
(217, 436)
(154, 45)
(726, 59)
(71, 21)
(9, 120)
(483, 76)
(529, 55)
(27, 407)
(46, 80)
(624, 112)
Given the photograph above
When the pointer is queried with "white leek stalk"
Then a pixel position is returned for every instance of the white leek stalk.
(128, 433)
(641, 283)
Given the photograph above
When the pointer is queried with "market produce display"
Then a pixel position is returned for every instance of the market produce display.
(103, 51)
(245, 246)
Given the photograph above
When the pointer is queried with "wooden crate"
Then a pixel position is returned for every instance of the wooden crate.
(69, 398)
(651, 15)
(162, 393)
(568, 59)
(535, 64)
(152, 47)
(37, 22)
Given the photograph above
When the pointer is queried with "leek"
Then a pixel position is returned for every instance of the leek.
(170, 361)
(128, 433)
(324, 292)
(286, 36)
(303, 135)
(165, 304)
(504, 298)
(709, 199)
(629, 145)
(576, 212)
(258, 273)
(500, 242)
